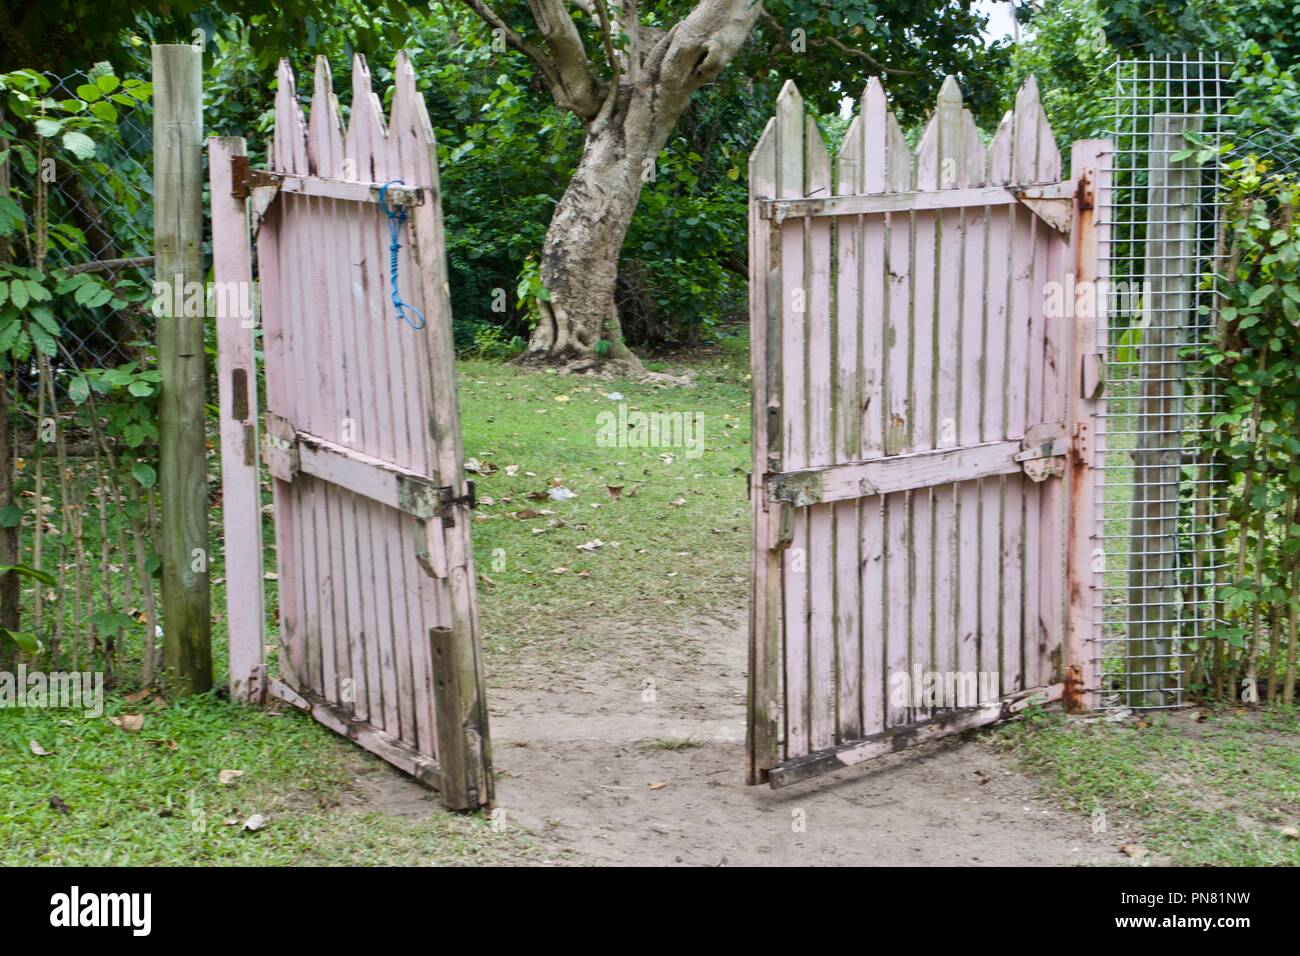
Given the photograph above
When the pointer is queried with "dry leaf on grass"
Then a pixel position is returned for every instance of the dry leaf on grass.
(228, 777)
(37, 749)
(128, 723)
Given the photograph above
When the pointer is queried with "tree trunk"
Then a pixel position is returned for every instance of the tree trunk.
(580, 255)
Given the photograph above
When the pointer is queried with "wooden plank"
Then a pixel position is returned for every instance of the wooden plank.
(241, 510)
(971, 388)
(1153, 592)
(324, 187)
(1091, 164)
(790, 129)
(907, 200)
(898, 600)
(872, 292)
(365, 735)
(949, 319)
(922, 469)
(762, 730)
(182, 473)
(847, 405)
(821, 557)
(909, 735)
(469, 780)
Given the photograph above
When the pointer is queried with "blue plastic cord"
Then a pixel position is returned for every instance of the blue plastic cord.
(395, 220)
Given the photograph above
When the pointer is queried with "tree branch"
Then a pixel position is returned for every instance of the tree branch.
(565, 45)
(871, 61)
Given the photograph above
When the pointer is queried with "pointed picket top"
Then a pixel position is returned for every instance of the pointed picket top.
(875, 130)
(410, 115)
(762, 164)
(900, 157)
(1035, 158)
(366, 136)
(948, 117)
(290, 137)
(818, 160)
(927, 156)
(848, 163)
(789, 141)
(974, 156)
(1000, 151)
(324, 128)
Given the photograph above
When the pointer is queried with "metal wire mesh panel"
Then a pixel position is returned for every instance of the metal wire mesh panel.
(1159, 497)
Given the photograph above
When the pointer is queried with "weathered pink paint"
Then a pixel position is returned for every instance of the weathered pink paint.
(910, 536)
(377, 607)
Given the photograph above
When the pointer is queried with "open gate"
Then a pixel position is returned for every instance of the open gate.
(923, 497)
(378, 624)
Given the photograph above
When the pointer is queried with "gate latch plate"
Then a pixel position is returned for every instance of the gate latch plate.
(280, 447)
(447, 499)
(1044, 451)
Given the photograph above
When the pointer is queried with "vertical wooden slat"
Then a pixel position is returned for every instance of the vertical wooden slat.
(993, 425)
(241, 512)
(873, 287)
(765, 589)
(898, 600)
(821, 559)
(948, 355)
(848, 439)
(971, 389)
(790, 129)
(925, 347)
(468, 776)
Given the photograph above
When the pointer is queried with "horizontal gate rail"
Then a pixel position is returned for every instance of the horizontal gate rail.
(909, 735)
(245, 179)
(1051, 202)
(288, 452)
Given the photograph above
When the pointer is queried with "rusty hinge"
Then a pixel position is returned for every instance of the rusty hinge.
(1086, 194)
(447, 499)
(1044, 446)
(244, 177)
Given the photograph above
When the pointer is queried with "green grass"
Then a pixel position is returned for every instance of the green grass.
(1214, 792)
(154, 797)
(675, 543)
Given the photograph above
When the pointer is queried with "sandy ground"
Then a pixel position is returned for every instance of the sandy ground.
(587, 770)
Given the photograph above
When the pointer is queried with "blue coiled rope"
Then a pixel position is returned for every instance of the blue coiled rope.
(395, 219)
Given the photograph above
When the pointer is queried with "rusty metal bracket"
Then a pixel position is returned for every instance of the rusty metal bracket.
(1053, 203)
(1045, 447)
(448, 499)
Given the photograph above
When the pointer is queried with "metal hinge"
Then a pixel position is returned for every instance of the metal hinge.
(1044, 446)
(447, 499)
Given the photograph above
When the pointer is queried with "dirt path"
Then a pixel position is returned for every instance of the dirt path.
(588, 771)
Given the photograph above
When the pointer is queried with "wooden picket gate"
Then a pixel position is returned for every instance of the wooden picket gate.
(378, 623)
(922, 493)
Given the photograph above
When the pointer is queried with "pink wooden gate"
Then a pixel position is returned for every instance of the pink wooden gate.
(378, 626)
(916, 409)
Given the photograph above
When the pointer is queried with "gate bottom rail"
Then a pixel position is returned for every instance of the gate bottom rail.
(908, 735)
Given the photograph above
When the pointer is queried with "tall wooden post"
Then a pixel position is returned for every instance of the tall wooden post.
(178, 239)
(1090, 165)
(1157, 453)
(241, 505)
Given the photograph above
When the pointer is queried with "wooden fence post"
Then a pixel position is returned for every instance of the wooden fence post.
(232, 269)
(1157, 453)
(178, 239)
(1090, 166)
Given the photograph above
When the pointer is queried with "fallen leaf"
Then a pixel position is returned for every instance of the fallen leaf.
(56, 803)
(1134, 850)
(592, 545)
(561, 398)
(128, 723)
(559, 570)
(254, 823)
(561, 494)
(1291, 833)
(37, 749)
(614, 396)
(615, 491)
(677, 502)
(228, 777)
(512, 470)
(657, 786)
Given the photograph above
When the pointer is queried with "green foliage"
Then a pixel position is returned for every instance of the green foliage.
(1066, 50)
(1255, 437)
